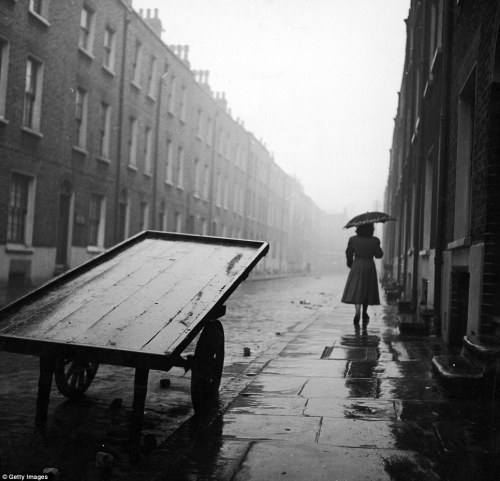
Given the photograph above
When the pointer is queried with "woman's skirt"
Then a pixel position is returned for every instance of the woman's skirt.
(362, 283)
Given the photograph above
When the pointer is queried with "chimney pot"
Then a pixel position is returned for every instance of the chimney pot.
(141, 13)
(156, 13)
(149, 12)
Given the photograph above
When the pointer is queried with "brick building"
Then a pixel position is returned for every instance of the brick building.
(443, 183)
(106, 131)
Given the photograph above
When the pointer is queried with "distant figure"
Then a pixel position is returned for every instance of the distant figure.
(361, 288)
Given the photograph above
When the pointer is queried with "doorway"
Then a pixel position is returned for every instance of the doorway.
(63, 226)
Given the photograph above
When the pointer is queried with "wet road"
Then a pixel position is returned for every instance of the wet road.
(262, 316)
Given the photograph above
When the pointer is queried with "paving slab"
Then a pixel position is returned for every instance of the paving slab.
(351, 409)
(377, 434)
(268, 404)
(300, 429)
(339, 388)
(308, 368)
(295, 462)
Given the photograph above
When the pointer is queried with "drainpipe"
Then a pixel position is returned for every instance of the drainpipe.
(126, 23)
(418, 208)
(212, 175)
(157, 146)
(443, 157)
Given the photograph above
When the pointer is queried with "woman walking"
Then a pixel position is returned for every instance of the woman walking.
(361, 288)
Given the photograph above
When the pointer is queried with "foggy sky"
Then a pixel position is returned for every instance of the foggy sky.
(317, 80)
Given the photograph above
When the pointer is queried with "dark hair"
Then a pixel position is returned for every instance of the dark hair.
(365, 230)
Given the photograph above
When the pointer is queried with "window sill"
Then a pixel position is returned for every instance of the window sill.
(34, 133)
(424, 253)
(86, 53)
(132, 167)
(3, 121)
(41, 19)
(109, 71)
(19, 248)
(135, 85)
(167, 182)
(179, 187)
(104, 160)
(148, 174)
(95, 250)
(151, 97)
(80, 150)
(459, 243)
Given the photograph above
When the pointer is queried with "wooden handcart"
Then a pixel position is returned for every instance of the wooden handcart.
(140, 304)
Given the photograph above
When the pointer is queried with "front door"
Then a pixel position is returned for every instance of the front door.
(63, 227)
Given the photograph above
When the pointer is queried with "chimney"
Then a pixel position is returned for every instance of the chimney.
(153, 21)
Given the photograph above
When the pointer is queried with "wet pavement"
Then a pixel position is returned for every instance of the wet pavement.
(315, 400)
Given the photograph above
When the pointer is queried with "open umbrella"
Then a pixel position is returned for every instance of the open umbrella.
(368, 218)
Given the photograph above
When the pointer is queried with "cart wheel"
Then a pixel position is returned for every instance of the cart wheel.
(207, 366)
(73, 376)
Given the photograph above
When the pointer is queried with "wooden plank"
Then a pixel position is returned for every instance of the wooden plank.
(172, 334)
(97, 303)
(134, 322)
(41, 314)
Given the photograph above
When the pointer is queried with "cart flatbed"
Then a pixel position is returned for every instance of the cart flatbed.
(139, 304)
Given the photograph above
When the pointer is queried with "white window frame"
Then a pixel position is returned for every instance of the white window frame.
(169, 168)
(178, 222)
(148, 150)
(86, 32)
(199, 119)
(81, 130)
(99, 246)
(30, 212)
(210, 131)
(206, 181)
(105, 130)
(153, 67)
(218, 190)
(144, 216)
(171, 96)
(180, 167)
(196, 177)
(33, 122)
(42, 13)
(132, 152)
(184, 100)
(225, 193)
(137, 66)
(109, 47)
(4, 75)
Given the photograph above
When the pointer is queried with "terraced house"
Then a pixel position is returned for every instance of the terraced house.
(106, 131)
(443, 183)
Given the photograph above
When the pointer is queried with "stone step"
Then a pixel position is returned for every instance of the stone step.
(412, 325)
(456, 368)
(486, 348)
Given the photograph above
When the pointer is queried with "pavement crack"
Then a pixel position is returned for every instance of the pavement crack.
(319, 430)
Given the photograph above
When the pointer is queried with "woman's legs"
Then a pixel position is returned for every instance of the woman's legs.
(358, 313)
(366, 317)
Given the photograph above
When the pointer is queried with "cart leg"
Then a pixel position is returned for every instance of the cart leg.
(140, 391)
(44, 386)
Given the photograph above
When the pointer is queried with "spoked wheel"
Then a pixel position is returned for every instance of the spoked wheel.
(207, 367)
(74, 375)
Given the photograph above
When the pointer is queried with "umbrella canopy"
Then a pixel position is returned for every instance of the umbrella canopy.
(368, 218)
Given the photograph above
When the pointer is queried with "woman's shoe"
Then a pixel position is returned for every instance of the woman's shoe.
(356, 320)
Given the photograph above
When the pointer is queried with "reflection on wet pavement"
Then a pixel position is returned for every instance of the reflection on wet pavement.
(318, 401)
